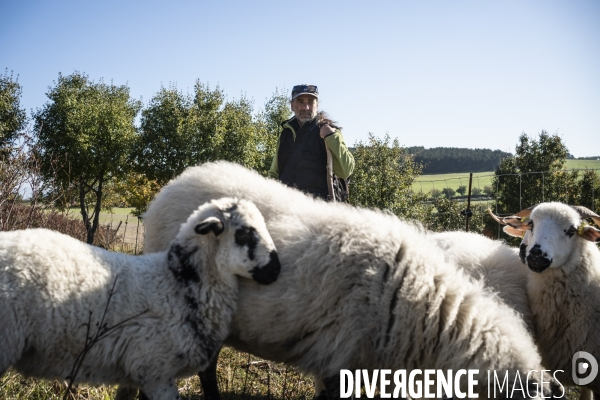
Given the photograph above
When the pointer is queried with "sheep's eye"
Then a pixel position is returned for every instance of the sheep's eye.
(571, 231)
(244, 236)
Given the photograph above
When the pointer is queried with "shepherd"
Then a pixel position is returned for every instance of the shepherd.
(311, 153)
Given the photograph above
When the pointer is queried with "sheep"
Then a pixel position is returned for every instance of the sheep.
(563, 283)
(492, 261)
(359, 289)
(166, 318)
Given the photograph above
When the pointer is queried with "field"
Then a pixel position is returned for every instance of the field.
(240, 375)
(425, 183)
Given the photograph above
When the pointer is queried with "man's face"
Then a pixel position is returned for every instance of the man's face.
(305, 107)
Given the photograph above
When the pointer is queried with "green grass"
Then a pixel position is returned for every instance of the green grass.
(240, 376)
(118, 215)
(440, 181)
(480, 179)
(583, 164)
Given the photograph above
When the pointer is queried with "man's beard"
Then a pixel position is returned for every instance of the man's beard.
(306, 117)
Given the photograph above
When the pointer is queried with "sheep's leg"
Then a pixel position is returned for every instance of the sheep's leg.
(586, 394)
(332, 386)
(208, 379)
(320, 389)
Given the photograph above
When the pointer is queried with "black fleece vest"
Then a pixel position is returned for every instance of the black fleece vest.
(303, 162)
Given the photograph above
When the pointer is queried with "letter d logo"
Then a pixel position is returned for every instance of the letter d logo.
(582, 367)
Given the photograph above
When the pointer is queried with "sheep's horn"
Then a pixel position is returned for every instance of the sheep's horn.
(523, 213)
(495, 217)
(514, 221)
(585, 212)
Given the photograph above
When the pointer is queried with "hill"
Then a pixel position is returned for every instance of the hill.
(447, 160)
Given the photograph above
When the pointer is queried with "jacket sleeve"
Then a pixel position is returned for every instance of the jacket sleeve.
(274, 170)
(343, 160)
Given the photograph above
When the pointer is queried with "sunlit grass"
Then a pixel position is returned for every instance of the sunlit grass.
(240, 375)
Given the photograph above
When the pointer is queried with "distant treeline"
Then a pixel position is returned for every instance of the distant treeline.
(442, 160)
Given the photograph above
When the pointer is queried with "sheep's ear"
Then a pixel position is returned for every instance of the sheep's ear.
(591, 233)
(515, 232)
(210, 224)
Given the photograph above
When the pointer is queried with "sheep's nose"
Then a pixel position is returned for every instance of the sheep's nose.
(267, 273)
(536, 261)
(536, 251)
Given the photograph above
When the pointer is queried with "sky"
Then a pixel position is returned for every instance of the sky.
(474, 74)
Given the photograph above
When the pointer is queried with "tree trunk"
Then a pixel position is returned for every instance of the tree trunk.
(92, 231)
(84, 213)
(91, 226)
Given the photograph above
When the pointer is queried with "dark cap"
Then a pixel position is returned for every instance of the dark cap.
(299, 90)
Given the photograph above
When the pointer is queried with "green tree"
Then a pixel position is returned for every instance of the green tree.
(12, 117)
(383, 178)
(530, 176)
(449, 216)
(166, 144)
(435, 193)
(448, 192)
(90, 127)
(178, 131)
(533, 175)
(590, 190)
(277, 109)
(476, 191)
(462, 190)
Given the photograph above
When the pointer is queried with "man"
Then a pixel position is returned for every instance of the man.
(301, 157)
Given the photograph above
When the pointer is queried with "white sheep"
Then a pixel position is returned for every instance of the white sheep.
(169, 312)
(359, 289)
(563, 283)
(492, 261)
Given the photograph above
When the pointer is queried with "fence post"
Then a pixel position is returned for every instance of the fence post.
(469, 213)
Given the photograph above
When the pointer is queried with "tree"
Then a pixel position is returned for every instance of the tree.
(137, 192)
(277, 110)
(435, 193)
(178, 131)
(449, 216)
(533, 175)
(12, 117)
(166, 144)
(476, 191)
(462, 190)
(90, 127)
(448, 192)
(530, 176)
(383, 178)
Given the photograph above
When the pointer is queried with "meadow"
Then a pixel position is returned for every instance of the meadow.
(426, 183)
(240, 375)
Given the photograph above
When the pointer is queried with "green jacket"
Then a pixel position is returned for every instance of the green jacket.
(343, 160)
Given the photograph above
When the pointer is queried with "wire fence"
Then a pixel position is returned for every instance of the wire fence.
(576, 186)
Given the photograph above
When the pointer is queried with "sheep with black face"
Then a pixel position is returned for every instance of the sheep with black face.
(171, 311)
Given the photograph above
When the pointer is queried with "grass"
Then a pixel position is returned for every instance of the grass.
(240, 375)
(426, 183)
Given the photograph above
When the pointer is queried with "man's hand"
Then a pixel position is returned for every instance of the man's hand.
(326, 130)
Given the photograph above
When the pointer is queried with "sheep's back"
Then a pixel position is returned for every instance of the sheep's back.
(51, 287)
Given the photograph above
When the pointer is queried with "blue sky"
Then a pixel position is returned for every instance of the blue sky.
(433, 73)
